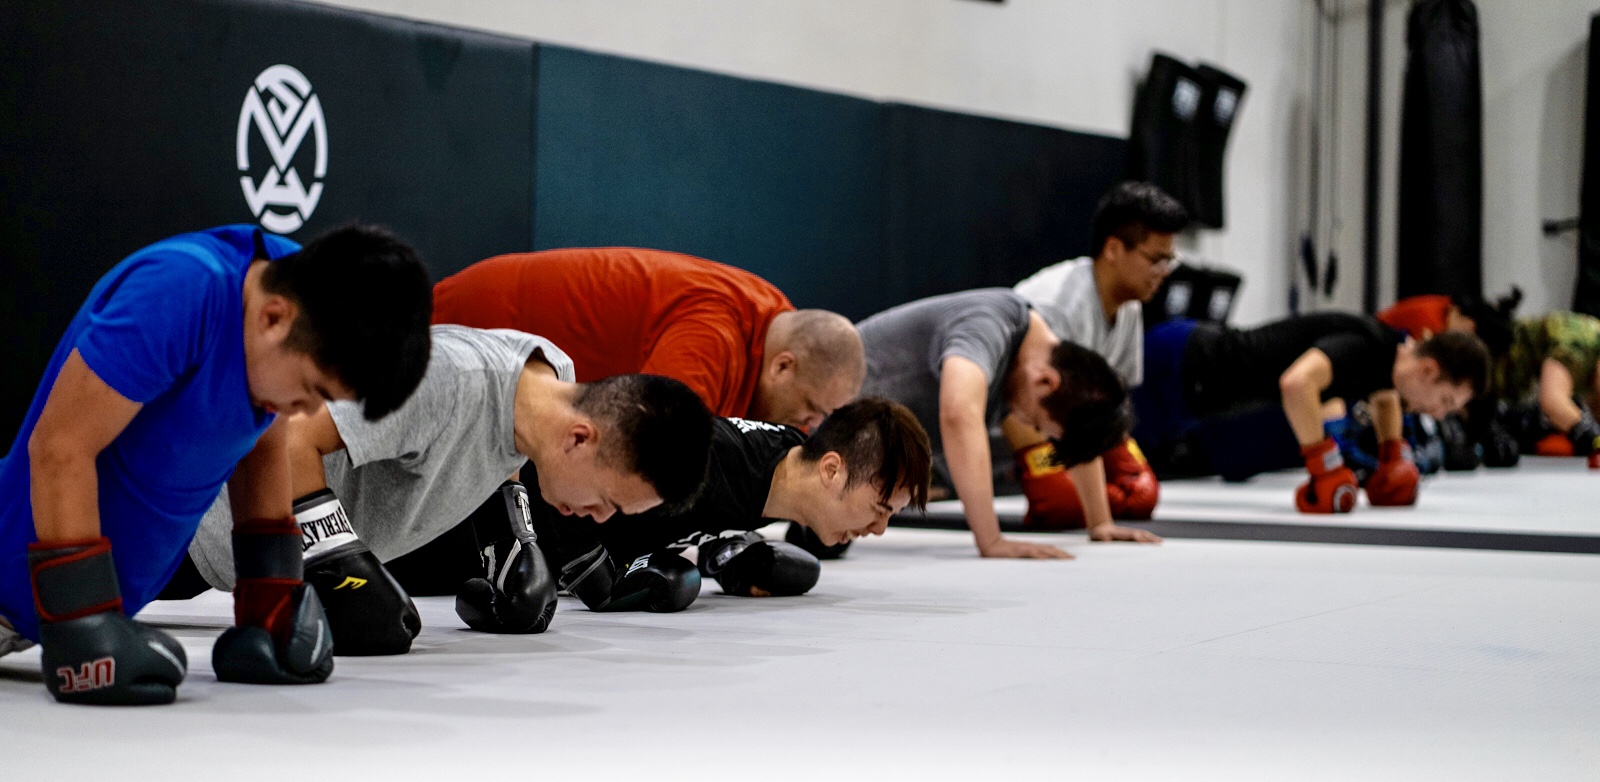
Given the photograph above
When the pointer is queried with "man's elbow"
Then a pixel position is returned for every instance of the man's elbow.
(49, 455)
(958, 420)
(1292, 384)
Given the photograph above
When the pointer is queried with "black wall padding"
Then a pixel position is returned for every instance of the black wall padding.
(974, 201)
(783, 181)
(118, 127)
(1163, 146)
(1440, 246)
(1586, 297)
(1221, 94)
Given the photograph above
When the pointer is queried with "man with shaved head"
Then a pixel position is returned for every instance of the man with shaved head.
(726, 333)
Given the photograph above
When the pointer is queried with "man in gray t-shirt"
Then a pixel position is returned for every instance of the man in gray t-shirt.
(408, 478)
(962, 361)
(1096, 302)
(491, 401)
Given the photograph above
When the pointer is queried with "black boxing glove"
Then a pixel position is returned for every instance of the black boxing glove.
(802, 536)
(516, 593)
(281, 634)
(369, 612)
(748, 565)
(1489, 425)
(662, 582)
(1585, 435)
(92, 653)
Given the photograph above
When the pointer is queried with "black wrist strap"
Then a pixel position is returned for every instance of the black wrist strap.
(268, 549)
(73, 581)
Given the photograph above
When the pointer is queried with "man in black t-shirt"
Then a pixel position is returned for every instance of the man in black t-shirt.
(867, 461)
(1195, 371)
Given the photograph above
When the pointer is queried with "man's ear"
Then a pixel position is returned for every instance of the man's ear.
(1113, 248)
(275, 319)
(1429, 367)
(582, 434)
(782, 364)
(1049, 380)
(832, 471)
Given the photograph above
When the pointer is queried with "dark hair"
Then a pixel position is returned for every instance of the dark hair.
(1090, 405)
(1493, 320)
(365, 302)
(880, 441)
(662, 432)
(1130, 211)
(1463, 358)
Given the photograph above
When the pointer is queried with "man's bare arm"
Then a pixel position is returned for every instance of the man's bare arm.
(1089, 479)
(963, 396)
(1388, 419)
(260, 486)
(81, 417)
(1555, 395)
(310, 437)
(1302, 385)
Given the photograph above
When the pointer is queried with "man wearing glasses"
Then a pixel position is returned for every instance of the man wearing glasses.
(1095, 302)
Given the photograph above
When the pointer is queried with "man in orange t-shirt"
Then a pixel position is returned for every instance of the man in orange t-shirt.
(726, 333)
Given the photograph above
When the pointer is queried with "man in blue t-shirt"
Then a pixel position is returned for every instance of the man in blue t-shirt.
(168, 383)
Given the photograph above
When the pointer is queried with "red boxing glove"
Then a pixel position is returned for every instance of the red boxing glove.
(1052, 498)
(1554, 444)
(1332, 488)
(1394, 481)
(1131, 485)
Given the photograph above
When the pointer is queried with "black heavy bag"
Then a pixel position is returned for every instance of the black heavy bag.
(1586, 298)
(1220, 95)
(1162, 145)
(1441, 153)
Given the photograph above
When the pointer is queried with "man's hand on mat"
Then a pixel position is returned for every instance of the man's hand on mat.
(1016, 549)
(1107, 532)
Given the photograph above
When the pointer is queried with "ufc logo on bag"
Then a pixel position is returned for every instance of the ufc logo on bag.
(92, 675)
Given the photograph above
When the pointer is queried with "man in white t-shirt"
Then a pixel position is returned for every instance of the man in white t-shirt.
(1095, 302)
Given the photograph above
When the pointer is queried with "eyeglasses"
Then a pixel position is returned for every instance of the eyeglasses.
(1172, 261)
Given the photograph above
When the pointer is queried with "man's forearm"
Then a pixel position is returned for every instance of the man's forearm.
(65, 489)
(306, 473)
(1089, 479)
(968, 459)
(260, 488)
(1303, 407)
(1387, 419)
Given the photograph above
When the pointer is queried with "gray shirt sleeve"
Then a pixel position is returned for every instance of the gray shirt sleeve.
(985, 333)
(406, 434)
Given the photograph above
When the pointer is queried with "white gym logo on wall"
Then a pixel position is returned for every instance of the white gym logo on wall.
(282, 109)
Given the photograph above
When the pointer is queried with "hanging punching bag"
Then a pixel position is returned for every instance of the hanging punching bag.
(1441, 153)
(1586, 298)
(1220, 95)
(1161, 147)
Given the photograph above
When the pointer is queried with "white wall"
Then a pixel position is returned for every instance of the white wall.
(1534, 59)
(1067, 63)
(1535, 56)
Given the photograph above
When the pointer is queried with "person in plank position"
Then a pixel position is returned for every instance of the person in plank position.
(963, 361)
(1194, 371)
(730, 335)
(1096, 302)
(493, 402)
(178, 375)
(1550, 377)
(866, 462)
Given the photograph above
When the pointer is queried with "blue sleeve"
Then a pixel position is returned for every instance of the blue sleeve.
(147, 328)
